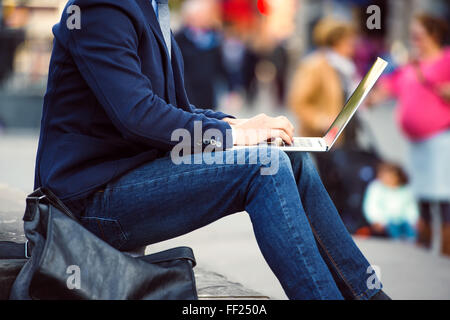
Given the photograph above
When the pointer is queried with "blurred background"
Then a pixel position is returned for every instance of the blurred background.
(389, 175)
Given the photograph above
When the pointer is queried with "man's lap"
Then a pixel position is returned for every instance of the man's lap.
(161, 199)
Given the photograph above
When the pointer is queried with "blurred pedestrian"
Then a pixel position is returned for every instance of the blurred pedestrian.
(321, 85)
(422, 88)
(239, 63)
(389, 204)
(325, 79)
(200, 44)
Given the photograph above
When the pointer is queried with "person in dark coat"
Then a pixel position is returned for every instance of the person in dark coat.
(200, 43)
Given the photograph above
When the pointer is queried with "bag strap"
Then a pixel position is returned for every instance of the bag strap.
(178, 253)
(42, 195)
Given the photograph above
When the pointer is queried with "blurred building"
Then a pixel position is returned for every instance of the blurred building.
(25, 44)
(35, 19)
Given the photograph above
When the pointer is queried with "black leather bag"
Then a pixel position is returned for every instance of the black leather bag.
(69, 262)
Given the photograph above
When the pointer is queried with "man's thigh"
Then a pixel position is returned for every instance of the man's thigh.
(165, 198)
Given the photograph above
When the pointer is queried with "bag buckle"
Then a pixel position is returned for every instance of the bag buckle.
(27, 251)
(30, 209)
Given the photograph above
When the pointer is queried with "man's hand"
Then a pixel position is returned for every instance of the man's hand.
(260, 129)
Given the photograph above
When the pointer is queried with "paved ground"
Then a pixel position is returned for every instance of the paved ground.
(229, 248)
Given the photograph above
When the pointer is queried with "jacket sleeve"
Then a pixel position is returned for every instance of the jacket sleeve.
(211, 113)
(105, 51)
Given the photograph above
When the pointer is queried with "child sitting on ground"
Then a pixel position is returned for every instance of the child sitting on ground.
(389, 205)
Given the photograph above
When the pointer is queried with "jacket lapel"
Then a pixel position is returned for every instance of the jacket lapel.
(150, 15)
(178, 75)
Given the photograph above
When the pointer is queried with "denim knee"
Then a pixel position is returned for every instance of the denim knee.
(300, 157)
(271, 160)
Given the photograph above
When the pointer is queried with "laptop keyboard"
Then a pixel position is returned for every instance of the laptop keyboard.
(302, 143)
(298, 143)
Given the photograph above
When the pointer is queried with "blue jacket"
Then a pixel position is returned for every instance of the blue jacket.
(113, 99)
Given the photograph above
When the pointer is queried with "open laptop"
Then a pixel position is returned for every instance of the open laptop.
(326, 143)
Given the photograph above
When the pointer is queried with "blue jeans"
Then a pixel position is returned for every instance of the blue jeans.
(296, 225)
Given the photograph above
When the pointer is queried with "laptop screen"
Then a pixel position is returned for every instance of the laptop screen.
(355, 101)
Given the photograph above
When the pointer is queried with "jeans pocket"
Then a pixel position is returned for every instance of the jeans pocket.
(109, 230)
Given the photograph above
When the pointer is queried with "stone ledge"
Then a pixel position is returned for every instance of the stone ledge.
(214, 286)
(210, 285)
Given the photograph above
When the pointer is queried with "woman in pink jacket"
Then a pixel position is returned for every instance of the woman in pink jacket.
(422, 89)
